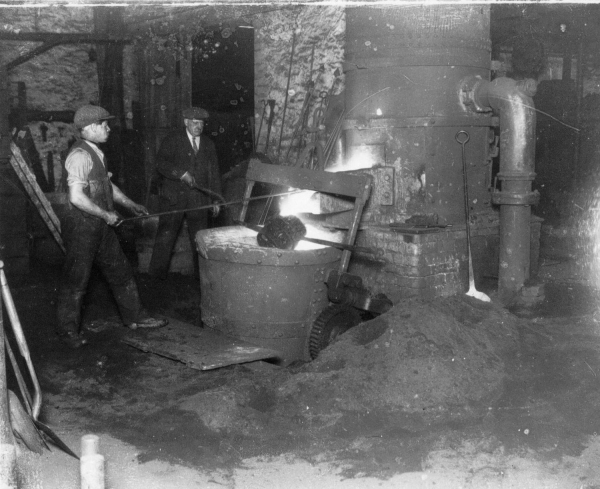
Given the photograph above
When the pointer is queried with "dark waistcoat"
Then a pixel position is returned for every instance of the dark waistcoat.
(99, 189)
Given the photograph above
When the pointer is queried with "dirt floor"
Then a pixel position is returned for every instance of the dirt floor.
(449, 394)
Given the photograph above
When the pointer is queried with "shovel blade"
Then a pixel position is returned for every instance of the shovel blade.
(472, 292)
(23, 426)
(55, 439)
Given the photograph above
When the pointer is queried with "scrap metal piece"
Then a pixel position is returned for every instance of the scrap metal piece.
(281, 232)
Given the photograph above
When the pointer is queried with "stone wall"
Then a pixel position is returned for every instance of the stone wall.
(62, 78)
(318, 27)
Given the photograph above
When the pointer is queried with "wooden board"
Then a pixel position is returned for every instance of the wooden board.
(357, 186)
(198, 348)
(35, 193)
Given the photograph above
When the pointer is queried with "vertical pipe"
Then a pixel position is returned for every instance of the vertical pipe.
(512, 100)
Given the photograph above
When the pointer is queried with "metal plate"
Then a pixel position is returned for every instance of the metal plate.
(198, 348)
(384, 185)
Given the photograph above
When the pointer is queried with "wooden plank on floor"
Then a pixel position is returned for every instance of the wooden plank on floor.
(198, 348)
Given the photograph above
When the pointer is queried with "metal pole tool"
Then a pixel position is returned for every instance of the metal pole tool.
(462, 137)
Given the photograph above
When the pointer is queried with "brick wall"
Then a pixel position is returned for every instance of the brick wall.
(433, 264)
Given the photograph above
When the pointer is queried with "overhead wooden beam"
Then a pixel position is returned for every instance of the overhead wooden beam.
(62, 38)
(31, 54)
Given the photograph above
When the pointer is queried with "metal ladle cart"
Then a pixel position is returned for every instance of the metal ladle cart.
(345, 291)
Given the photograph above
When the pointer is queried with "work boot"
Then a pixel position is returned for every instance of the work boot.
(148, 322)
(72, 339)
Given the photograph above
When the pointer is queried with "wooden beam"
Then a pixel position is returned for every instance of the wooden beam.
(357, 186)
(62, 38)
(36, 195)
(31, 54)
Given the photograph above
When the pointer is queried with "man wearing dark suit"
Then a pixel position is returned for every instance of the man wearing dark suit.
(186, 160)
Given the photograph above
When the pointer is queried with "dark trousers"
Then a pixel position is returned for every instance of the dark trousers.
(166, 235)
(88, 242)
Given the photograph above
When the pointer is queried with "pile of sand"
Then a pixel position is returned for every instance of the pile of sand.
(440, 359)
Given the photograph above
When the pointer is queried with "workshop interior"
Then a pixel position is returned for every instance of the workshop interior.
(397, 281)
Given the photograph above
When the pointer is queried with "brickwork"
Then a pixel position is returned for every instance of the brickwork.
(434, 264)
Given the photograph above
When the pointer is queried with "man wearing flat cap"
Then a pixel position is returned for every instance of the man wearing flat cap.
(188, 178)
(88, 232)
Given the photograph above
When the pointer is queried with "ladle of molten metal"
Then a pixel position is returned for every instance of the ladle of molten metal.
(462, 137)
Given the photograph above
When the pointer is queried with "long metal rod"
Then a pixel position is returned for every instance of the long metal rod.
(224, 204)
(19, 376)
(271, 103)
(8, 454)
(21, 343)
(310, 85)
(287, 90)
(462, 137)
(262, 118)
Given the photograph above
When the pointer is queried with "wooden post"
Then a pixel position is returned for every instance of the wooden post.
(5, 136)
(109, 21)
(577, 170)
(185, 70)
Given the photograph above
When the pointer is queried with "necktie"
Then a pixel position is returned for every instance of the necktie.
(194, 145)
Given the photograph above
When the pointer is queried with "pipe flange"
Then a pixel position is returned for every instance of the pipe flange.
(510, 198)
(467, 93)
(527, 86)
(516, 176)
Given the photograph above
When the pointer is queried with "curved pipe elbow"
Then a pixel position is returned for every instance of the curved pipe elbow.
(512, 101)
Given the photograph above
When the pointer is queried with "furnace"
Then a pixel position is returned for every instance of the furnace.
(415, 77)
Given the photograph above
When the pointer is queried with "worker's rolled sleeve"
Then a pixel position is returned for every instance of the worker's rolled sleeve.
(78, 165)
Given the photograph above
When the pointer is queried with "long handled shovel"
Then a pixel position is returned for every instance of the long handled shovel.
(24, 423)
(462, 137)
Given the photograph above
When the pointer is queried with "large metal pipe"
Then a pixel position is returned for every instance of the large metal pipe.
(512, 101)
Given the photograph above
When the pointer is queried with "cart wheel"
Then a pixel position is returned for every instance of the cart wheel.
(334, 320)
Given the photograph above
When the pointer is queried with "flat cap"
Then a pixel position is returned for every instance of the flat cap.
(195, 113)
(88, 114)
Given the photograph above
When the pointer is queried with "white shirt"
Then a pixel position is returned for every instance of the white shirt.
(191, 138)
(79, 164)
